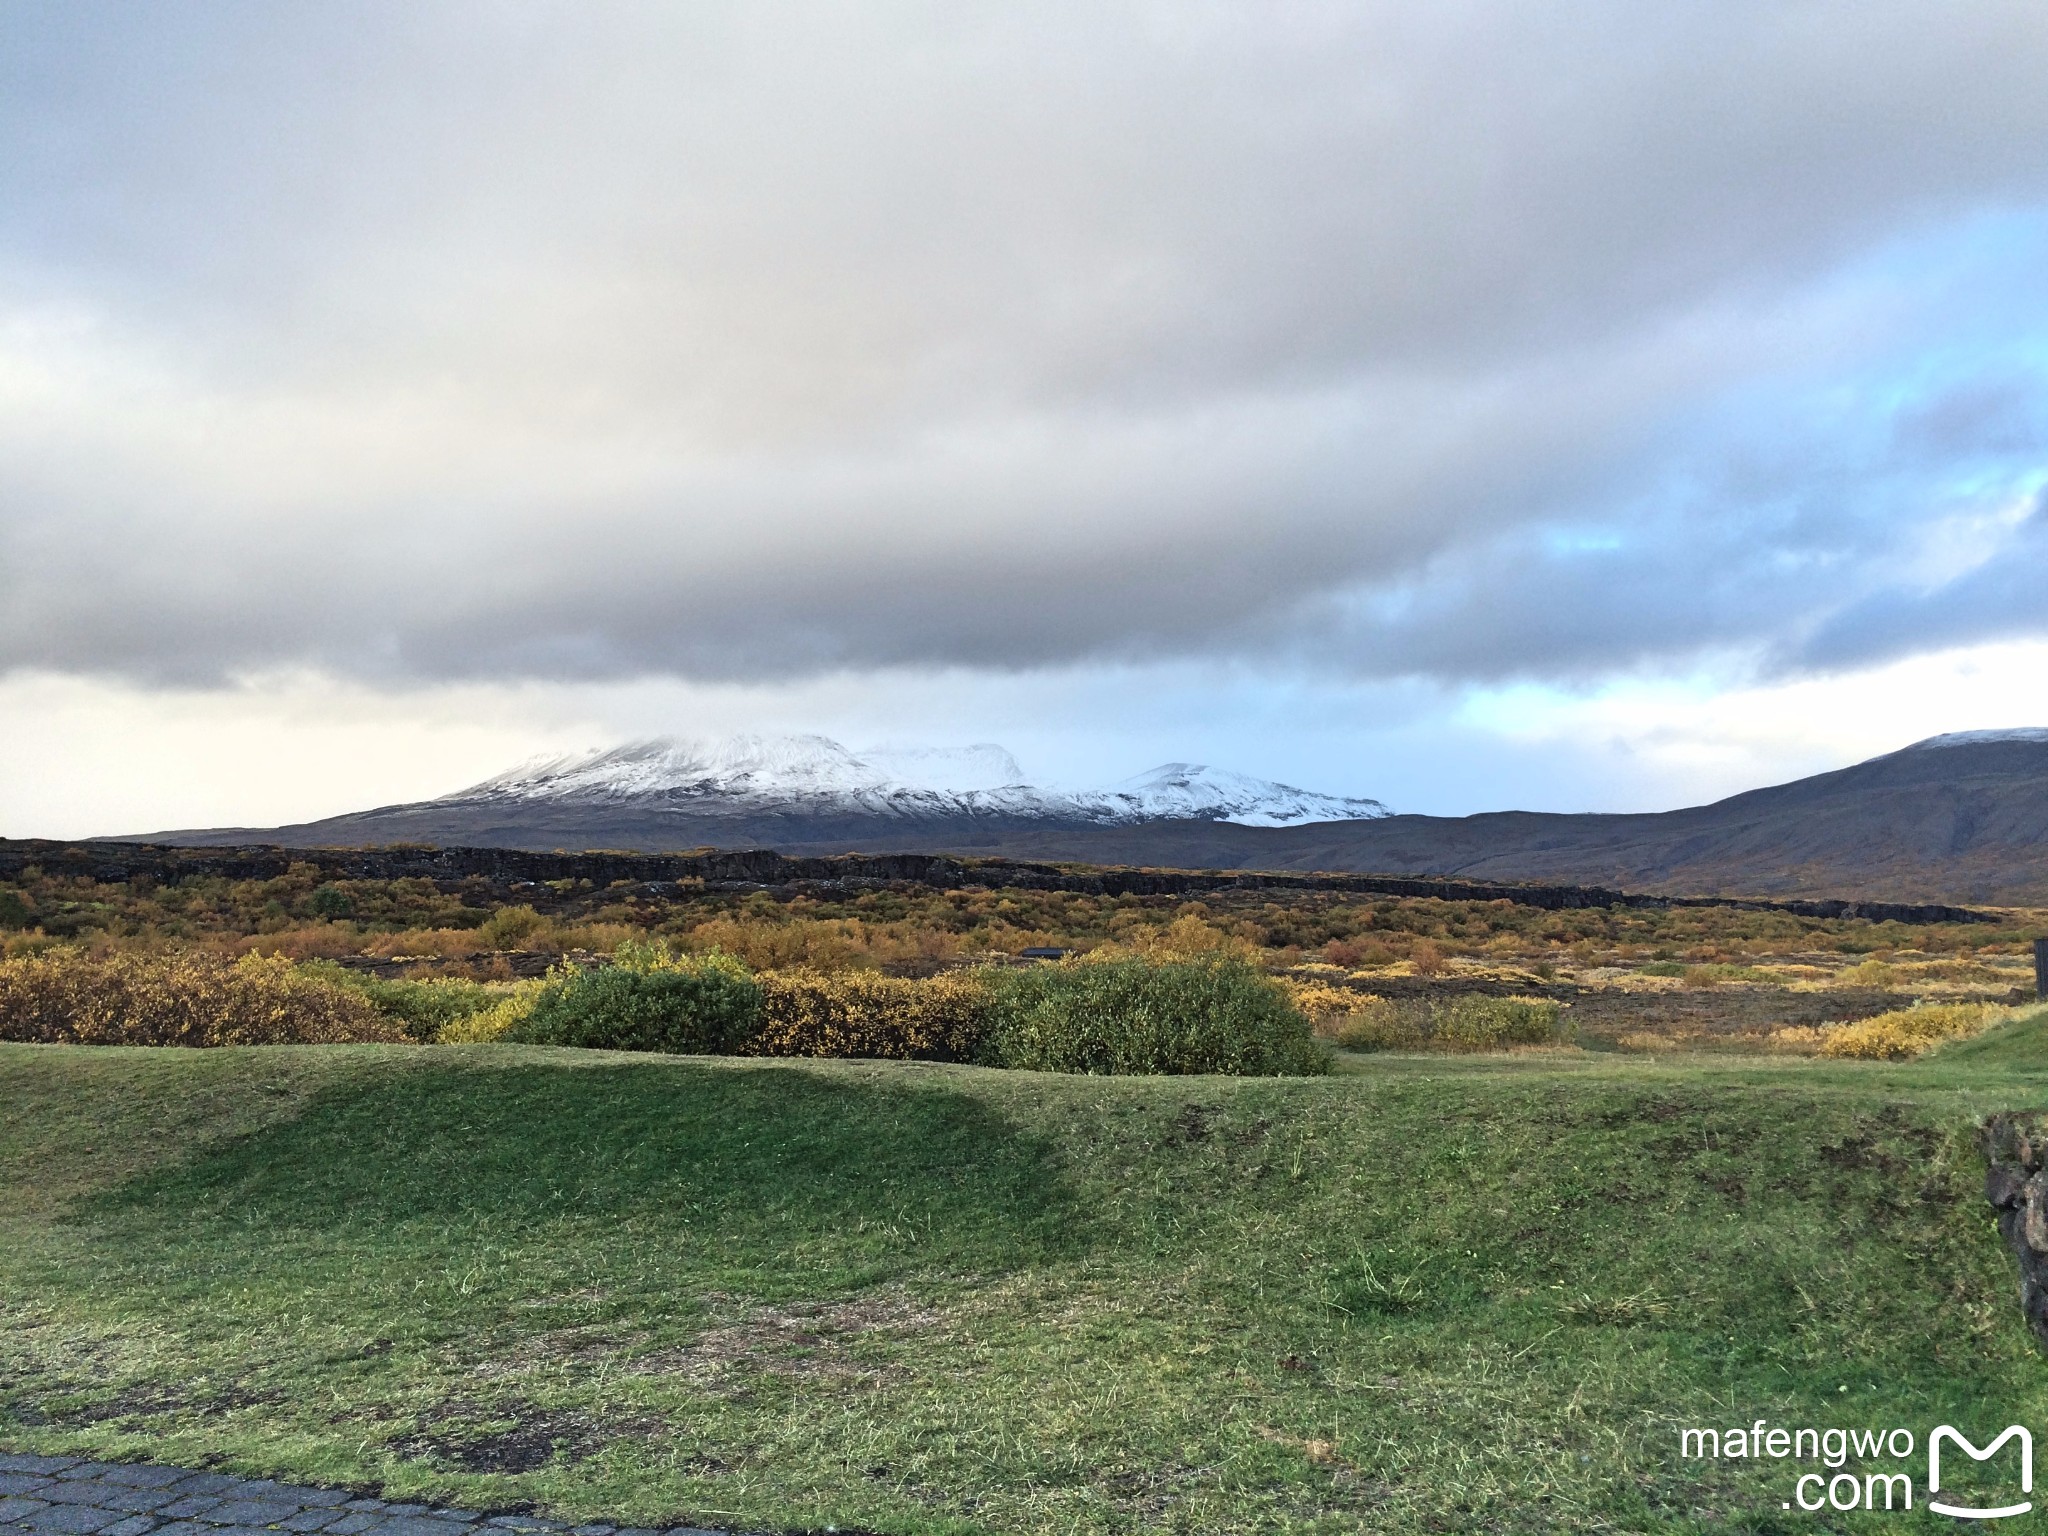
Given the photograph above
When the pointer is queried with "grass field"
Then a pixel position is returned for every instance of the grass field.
(1419, 1295)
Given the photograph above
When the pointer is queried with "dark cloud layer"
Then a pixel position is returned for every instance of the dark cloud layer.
(1471, 340)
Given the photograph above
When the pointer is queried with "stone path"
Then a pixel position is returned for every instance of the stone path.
(65, 1496)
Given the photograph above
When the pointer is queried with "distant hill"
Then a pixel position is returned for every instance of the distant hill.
(1953, 818)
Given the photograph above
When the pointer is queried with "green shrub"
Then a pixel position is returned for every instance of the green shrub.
(14, 912)
(647, 1000)
(807, 1012)
(191, 999)
(423, 1009)
(1477, 1023)
(331, 901)
(1139, 1016)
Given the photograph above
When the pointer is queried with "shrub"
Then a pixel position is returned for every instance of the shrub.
(509, 1008)
(1469, 1023)
(1335, 1013)
(1345, 952)
(1380, 1026)
(1870, 973)
(1488, 1023)
(1318, 1000)
(807, 1012)
(14, 911)
(509, 927)
(1908, 1032)
(842, 943)
(423, 1009)
(331, 901)
(193, 999)
(1190, 936)
(647, 1000)
(1136, 1016)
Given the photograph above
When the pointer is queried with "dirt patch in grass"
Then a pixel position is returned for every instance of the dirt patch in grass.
(557, 1348)
(809, 1342)
(515, 1435)
(77, 1406)
(815, 1342)
(63, 1378)
(1153, 1491)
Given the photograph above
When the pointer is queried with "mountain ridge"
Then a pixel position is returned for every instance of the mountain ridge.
(1956, 818)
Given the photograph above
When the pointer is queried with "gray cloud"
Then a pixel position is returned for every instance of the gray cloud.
(1465, 340)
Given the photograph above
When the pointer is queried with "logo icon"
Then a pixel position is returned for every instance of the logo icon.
(1966, 1512)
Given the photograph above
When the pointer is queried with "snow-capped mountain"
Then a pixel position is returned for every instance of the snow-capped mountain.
(1956, 817)
(752, 774)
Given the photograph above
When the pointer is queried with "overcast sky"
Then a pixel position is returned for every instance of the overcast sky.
(1578, 406)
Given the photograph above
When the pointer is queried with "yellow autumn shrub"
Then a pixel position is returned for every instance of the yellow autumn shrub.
(807, 1012)
(1907, 1032)
(493, 1022)
(1870, 973)
(1360, 1020)
(67, 997)
(1324, 1004)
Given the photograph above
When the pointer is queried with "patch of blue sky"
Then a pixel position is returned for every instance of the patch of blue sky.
(1929, 400)
(1905, 392)
(1582, 541)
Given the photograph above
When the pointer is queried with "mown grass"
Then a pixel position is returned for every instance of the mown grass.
(1419, 1295)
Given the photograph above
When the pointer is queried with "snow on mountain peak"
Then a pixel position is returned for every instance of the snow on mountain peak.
(667, 764)
(814, 773)
(1972, 738)
(1195, 791)
(959, 769)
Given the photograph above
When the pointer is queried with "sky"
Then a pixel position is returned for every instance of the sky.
(1580, 406)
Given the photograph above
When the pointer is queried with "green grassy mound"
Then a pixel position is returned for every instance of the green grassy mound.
(2020, 1042)
(1428, 1295)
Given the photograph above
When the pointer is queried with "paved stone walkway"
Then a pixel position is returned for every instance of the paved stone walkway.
(65, 1496)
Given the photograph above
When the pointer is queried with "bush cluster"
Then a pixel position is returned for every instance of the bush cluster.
(188, 999)
(1906, 1032)
(1125, 1015)
(1120, 1016)
(1138, 1016)
(807, 1012)
(649, 1000)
